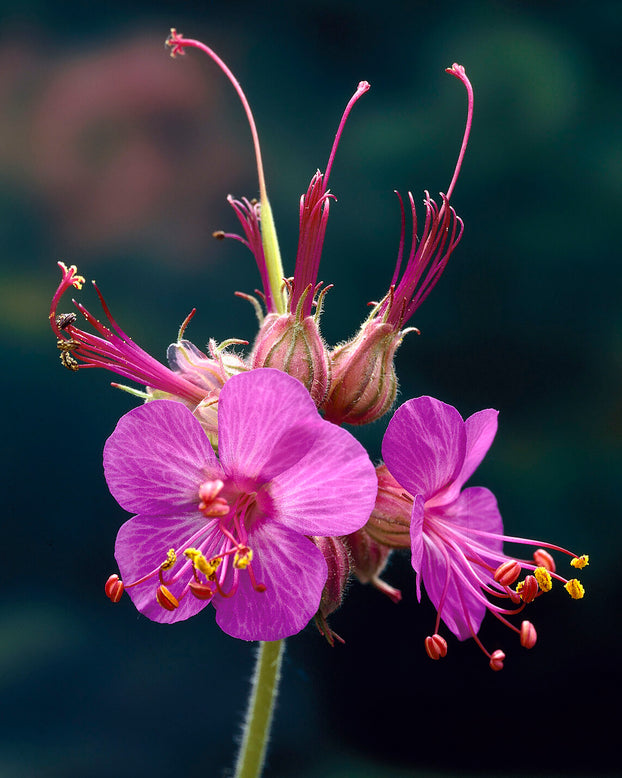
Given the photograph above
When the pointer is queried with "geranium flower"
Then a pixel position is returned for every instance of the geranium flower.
(231, 529)
(456, 535)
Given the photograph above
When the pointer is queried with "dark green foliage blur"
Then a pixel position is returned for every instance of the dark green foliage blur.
(117, 159)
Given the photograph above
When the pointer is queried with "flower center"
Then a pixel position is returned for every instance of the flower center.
(211, 561)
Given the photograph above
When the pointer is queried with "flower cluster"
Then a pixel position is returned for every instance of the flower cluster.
(249, 495)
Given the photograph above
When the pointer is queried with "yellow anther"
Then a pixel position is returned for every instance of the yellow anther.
(575, 589)
(243, 558)
(543, 577)
(171, 558)
(580, 561)
(208, 568)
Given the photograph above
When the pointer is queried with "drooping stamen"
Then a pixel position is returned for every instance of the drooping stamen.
(177, 44)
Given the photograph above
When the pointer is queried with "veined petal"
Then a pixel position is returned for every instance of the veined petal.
(255, 410)
(424, 445)
(294, 572)
(462, 610)
(476, 508)
(330, 491)
(416, 539)
(481, 429)
(156, 458)
(140, 549)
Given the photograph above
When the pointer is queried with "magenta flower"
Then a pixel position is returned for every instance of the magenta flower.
(231, 529)
(456, 535)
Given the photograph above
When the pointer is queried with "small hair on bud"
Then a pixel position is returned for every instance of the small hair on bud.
(528, 635)
(496, 660)
(436, 646)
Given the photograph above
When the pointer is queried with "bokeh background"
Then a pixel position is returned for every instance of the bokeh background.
(118, 159)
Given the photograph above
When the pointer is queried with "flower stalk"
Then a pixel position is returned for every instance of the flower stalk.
(260, 709)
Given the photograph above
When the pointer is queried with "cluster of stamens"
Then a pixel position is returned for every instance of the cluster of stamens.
(207, 576)
(538, 581)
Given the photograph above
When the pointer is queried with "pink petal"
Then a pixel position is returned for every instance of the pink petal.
(141, 547)
(481, 429)
(257, 414)
(464, 606)
(424, 445)
(416, 539)
(157, 457)
(294, 572)
(330, 491)
(462, 610)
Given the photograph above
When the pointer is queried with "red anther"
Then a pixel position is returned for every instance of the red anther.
(114, 588)
(542, 558)
(496, 660)
(202, 591)
(166, 598)
(528, 635)
(528, 589)
(507, 572)
(436, 646)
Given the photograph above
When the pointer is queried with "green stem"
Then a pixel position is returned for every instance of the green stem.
(260, 709)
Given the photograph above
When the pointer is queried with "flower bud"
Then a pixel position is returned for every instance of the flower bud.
(293, 344)
(337, 556)
(364, 384)
(369, 559)
(389, 523)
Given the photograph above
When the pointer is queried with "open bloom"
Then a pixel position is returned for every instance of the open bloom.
(231, 529)
(456, 535)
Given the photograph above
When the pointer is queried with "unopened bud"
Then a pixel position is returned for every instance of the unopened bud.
(369, 560)
(496, 660)
(294, 345)
(389, 523)
(363, 384)
(436, 646)
(337, 556)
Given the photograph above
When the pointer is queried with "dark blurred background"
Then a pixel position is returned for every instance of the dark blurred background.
(118, 159)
